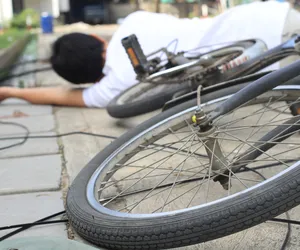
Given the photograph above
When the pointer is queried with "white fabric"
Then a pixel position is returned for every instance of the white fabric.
(262, 20)
(153, 32)
(157, 30)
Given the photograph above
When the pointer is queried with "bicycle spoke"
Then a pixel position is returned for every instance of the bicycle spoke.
(198, 189)
(178, 165)
(182, 165)
(257, 112)
(167, 158)
(259, 150)
(227, 167)
(125, 165)
(185, 181)
(161, 182)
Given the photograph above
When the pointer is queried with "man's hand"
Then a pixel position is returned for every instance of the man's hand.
(4, 93)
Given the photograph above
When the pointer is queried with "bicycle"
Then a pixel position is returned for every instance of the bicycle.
(198, 171)
(185, 71)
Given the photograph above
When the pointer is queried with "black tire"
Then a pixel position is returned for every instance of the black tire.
(191, 227)
(123, 106)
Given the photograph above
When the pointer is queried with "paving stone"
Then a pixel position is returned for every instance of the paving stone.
(45, 243)
(89, 120)
(10, 111)
(31, 147)
(78, 149)
(30, 174)
(43, 123)
(27, 208)
(101, 122)
(14, 101)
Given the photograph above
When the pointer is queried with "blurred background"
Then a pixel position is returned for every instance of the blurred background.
(105, 11)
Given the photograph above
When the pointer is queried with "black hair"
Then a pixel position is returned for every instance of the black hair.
(77, 58)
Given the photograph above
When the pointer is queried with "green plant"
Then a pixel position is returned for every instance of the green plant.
(10, 36)
(19, 21)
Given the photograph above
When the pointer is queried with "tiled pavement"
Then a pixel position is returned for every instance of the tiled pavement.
(30, 174)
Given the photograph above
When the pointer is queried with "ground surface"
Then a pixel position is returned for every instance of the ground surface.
(35, 176)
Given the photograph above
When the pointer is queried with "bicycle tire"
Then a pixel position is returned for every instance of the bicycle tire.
(124, 105)
(218, 219)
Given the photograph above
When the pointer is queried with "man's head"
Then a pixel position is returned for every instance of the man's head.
(79, 58)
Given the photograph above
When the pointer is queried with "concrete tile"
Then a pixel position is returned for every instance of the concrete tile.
(14, 101)
(7, 111)
(44, 123)
(89, 120)
(27, 208)
(294, 214)
(45, 243)
(76, 145)
(100, 121)
(31, 147)
(29, 174)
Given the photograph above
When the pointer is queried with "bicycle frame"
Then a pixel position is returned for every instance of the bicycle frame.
(291, 47)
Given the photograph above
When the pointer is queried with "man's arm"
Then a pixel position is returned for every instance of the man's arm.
(54, 96)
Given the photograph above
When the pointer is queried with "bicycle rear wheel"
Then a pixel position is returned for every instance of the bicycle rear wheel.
(146, 97)
(154, 187)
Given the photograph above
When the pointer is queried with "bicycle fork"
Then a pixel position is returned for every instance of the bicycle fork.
(218, 164)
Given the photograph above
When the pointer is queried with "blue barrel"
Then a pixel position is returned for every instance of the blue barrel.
(46, 23)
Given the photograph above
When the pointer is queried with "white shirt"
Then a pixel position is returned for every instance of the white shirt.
(153, 31)
(158, 30)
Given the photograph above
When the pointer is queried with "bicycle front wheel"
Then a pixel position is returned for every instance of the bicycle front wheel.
(156, 186)
(146, 96)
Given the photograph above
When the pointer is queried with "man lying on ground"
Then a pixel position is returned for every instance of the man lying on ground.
(81, 58)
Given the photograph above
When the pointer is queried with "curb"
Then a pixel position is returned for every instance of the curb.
(9, 55)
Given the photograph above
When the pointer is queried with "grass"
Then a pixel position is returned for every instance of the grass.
(10, 36)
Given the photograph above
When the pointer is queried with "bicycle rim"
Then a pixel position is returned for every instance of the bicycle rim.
(168, 163)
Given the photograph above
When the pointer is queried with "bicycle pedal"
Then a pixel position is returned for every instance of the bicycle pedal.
(136, 54)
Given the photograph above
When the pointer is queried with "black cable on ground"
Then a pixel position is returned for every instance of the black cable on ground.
(24, 73)
(58, 135)
(24, 138)
(30, 225)
(9, 68)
